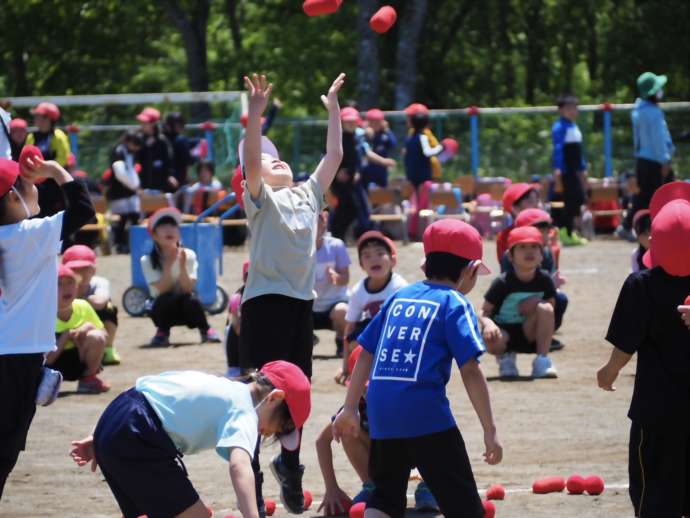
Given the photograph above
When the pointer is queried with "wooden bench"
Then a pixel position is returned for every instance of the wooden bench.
(602, 190)
(381, 197)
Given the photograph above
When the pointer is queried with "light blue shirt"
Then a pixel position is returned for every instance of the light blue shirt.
(201, 411)
(650, 133)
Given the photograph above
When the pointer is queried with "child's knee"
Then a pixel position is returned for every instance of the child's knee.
(96, 338)
(497, 346)
(545, 308)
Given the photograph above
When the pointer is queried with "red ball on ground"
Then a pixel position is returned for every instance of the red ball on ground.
(357, 510)
(548, 485)
(270, 506)
(496, 492)
(489, 509)
(320, 7)
(575, 485)
(594, 485)
(383, 19)
(308, 499)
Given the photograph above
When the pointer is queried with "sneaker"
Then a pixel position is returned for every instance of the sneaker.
(570, 239)
(364, 494)
(424, 500)
(211, 336)
(556, 345)
(627, 235)
(160, 339)
(92, 385)
(542, 367)
(290, 480)
(49, 388)
(111, 356)
(579, 239)
(507, 367)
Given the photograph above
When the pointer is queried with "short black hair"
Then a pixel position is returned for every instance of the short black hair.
(373, 241)
(565, 99)
(419, 121)
(643, 224)
(206, 164)
(442, 265)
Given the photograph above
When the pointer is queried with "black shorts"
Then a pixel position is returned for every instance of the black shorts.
(363, 417)
(276, 327)
(139, 460)
(20, 375)
(517, 341)
(659, 470)
(322, 319)
(442, 462)
(69, 364)
(108, 313)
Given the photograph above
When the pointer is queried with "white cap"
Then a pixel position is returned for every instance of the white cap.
(266, 147)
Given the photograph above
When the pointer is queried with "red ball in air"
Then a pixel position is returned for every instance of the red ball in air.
(383, 19)
(320, 7)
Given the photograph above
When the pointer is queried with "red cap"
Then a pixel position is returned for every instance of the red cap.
(18, 124)
(9, 171)
(525, 235)
(65, 271)
(350, 114)
(245, 267)
(455, 237)
(416, 109)
(47, 110)
(149, 114)
(383, 19)
(237, 187)
(667, 193)
(530, 217)
(289, 378)
(375, 235)
(374, 115)
(319, 7)
(670, 243)
(514, 193)
(79, 256)
(170, 212)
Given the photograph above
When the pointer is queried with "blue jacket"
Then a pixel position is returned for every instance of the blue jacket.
(567, 147)
(650, 133)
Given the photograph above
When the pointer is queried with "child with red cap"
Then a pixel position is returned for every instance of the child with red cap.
(81, 337)
(28, 293)
(96, 291)
(142, 435)
(518, 311)
(646, 321)
(516, 198)
(382, 142)
(408, 352)
(283, 221)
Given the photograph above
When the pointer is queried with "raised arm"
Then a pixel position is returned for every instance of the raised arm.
(259, 91)
(325, 171)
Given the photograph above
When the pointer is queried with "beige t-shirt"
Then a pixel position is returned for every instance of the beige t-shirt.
(153, 275)
(283, 246)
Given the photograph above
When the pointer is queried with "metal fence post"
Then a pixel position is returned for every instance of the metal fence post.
(473, 113)
(209, 127)
(73, 132)
(608, 144)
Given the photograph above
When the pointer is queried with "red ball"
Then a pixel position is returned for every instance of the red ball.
(357, 510)
(548, 485)
(319, 7)
(496, 492)
(489, 509)
(594, 485)
(687, 300)
(383, 19)
(210, 510)
(31, 152)
(308, 499)
(270, 506)
(575, 485)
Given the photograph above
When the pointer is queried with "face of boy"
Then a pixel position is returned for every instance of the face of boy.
(376, 260)
(270, 421)
(85, 274)
(67, 291)
(529, 201)
(42, 123)
(167, 235)
(18, 135)
(569, 111)
(205, 176)
(376, 125)
(275, 173)
(643, 239)
(527, 255)
(349, 126)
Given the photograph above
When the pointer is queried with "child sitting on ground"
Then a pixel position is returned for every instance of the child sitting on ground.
(170, 271)
(516, 198)
(199, 195)
(332, 277)
(408, 353)
(518, 311)
(233, 325)
(377, 257)
(96, 291)
(335, 500)
(81, 338)
(642, 224)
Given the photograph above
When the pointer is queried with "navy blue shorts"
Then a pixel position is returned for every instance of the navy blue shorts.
(139, 460)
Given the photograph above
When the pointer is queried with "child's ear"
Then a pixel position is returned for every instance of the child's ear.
(276, 395)
(394, 261)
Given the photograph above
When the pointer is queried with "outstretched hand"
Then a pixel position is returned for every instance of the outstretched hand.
(83, 452)
(259, 90)
(330, 100)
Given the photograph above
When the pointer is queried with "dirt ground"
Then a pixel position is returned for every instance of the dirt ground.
(549, 427)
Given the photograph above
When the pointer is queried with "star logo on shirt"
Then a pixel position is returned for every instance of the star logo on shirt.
(409, 357)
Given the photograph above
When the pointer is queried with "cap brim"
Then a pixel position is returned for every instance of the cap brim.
(143, 118)
(78, 263)
(267, 147)
(483, 269)
(290, 441)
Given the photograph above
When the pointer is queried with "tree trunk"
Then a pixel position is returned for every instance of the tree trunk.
(368, 66)
(19, 80)
(506, 48)
(535, 43)
(409, 29)
(236, 34)
(193, 30)
(592, 43)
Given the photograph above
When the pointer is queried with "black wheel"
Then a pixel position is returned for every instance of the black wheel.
(136, 302)
(220, 304)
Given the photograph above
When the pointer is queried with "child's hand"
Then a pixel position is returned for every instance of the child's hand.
(182, 256)
(83, 452)
(491, 332)
(37, 168)
(330, 100)
(340, 377)
(335, 502)
(346, 424)
(606, 377)
(333, 275)
(259, 91)
(494, 450)
(557, 279)
(685, 312)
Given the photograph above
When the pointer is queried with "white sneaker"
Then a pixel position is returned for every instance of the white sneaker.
(49, 388)
(543, 368)
(507, 368)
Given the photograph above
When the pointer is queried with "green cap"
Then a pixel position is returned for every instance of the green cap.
(649, 84)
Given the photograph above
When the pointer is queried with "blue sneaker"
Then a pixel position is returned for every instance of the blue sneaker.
(424, 501)
(364, 494)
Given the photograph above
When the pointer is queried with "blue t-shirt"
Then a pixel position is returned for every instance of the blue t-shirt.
(414, 339)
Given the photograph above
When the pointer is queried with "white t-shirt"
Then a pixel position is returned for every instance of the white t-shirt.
(201, 411)
(364, 304)
(99, 286)
(332, 254)
(152, 274)
(283, 245)
(28, 284)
